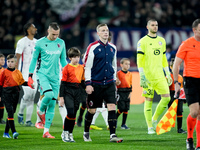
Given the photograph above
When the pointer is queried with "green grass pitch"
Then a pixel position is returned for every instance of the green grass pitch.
(30, 138)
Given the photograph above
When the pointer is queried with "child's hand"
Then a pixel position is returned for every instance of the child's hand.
(61, 102)
(118, 82)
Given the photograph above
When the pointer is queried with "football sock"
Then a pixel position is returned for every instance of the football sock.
(69, 124)
(198, 133)
(11, 124)
(7, 126)
(161, 107)
(1, 110)
(179, 121)
(50, 113)
(125, 114)
(88, 120)
(38, 108)
(46, 130)
(104, 113)
(112, 121)
(118, 113)
(82, 109)
(148, 112)
(29, 110)
(191, 122)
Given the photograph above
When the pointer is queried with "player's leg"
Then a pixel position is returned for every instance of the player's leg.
(110, 99)
(29, 95)
(92, 126)
(162, 89)
(22, 107)
(2, 113)
(38, 123)
(148, 93)
(180, 117)
(82, 108)
(104, 113)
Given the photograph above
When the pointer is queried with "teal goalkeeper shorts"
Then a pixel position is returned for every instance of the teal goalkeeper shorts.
(160, 86)
(46, 84)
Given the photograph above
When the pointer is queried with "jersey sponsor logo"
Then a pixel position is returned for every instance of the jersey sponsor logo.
(156, 52)
(160, 43)
(53, 52)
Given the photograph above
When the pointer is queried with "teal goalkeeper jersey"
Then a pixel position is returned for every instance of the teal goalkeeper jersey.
(151, 56)
(48, 54)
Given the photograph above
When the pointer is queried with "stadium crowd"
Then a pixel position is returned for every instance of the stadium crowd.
(116, 13)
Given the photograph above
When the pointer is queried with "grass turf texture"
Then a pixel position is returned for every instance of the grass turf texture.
(134, 139)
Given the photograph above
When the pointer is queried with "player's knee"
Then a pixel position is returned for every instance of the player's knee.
(49, 94)
(70, 113)
(165, 100)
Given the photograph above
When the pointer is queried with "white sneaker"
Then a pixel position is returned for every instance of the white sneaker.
(71, 137)
(154, 124)
(66, 136)
(86, 137)
(151, 131)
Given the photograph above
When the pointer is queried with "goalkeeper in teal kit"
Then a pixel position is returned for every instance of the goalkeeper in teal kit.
(151, 61)
(49, 51)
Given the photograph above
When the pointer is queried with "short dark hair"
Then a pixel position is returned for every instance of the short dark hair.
(2, 55)
(195, 23)
(26, 27)
(151, 20)
(54, 25)
(73, 52)
(123, 60)
(10, 56)
(110, 36)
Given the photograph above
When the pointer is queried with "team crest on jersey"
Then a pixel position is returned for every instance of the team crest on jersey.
(91, 103)
(58, 45)
(111, 49)
(144, 92)
(160, 43)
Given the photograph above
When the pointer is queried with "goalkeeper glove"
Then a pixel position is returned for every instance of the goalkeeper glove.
(30, 80)
(143, 80)
(168, 76)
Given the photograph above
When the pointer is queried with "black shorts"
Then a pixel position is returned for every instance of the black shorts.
(72, 97)
(124, 102)
(100, 93)
(192, 88)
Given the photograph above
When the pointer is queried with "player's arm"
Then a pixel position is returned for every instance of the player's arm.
(63, 60)
(176, 69)
(165, 66)
(19, 51)
(140, 63)
(88, 61)
(114, 64)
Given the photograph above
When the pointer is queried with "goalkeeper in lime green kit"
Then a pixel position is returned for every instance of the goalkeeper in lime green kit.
(49, 51)
(151, 61)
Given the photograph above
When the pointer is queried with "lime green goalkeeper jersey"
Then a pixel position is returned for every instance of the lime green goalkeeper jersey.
(151, 56)
(47, 54)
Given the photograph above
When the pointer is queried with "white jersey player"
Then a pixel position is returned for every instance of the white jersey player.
(24, 49)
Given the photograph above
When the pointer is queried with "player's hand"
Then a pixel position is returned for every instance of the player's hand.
(118, 82)
(169, 79)
(143, 81)
(30, 82)
(89, 89)
(0, 99)
(61, 102)
(177, 90)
